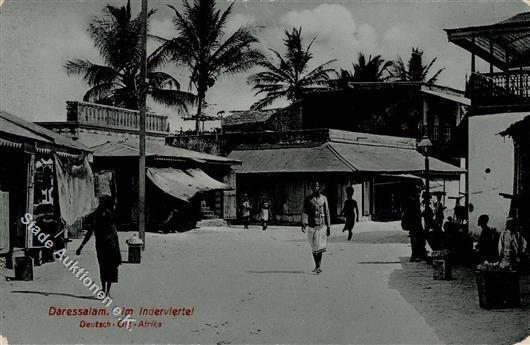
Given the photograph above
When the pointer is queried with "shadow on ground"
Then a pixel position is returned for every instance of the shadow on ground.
(288, 272)
(45, 293)
(451, 307)
(368, 237)
(380, 236)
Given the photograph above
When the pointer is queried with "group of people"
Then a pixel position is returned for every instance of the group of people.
(425, 224)
(508, 247)
(264, 215)
(316, 220)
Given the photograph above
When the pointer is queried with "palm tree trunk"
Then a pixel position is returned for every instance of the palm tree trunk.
(199, 113)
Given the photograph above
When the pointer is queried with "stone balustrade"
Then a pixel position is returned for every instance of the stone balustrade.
(114, 117)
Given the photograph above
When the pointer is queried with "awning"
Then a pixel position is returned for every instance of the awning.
(183, 184)
(289, 160)
(340, 157)
(390, 160)
(404, 176)
(129, 148)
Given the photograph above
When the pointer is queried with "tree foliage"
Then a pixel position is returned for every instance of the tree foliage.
(117, 82)
(373, 69)
(415, 69)
(286, 76)
(203, 44)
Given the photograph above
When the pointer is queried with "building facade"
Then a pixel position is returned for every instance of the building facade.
(280, 166)
(500, 96)
(113, 135)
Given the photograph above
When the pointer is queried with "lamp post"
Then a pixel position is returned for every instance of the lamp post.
(425, 146)
(142, 106)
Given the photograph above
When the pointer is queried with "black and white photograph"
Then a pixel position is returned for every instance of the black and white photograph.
(264, 172)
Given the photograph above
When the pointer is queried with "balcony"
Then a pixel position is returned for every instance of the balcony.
(113, 117)
(439, 134)
(499, 89)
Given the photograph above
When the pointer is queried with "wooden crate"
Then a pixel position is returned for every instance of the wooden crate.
(498, 290)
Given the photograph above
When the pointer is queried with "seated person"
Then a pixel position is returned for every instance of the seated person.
(488, 240)
(512, 246)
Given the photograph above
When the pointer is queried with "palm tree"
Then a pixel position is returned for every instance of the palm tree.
(415, 70)
(117, 37)
(372, 70)
(287, 76)
(203, 44)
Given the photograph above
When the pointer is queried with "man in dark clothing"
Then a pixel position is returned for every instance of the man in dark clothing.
(488, 240)
(350, 211)
(411, 222)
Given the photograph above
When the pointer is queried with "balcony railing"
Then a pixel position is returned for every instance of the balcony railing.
(108, 116)
(499, 89)
(439, 134)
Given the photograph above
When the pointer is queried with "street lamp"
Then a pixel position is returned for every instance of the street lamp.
(425, 146)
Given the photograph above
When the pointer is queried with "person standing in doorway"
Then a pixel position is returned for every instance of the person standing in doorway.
(245, 212)
(350, 211)
(316, 223)
(265, 213)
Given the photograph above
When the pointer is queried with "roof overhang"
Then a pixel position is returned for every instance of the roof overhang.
(450, 97)
(510, 42)
(341, 157)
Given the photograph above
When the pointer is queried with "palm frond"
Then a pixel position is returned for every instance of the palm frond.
(99, 92)
(162, 80)
(93, 74)
(173, 98)
(268, 100)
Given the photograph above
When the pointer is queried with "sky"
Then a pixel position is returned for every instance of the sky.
(37, 37)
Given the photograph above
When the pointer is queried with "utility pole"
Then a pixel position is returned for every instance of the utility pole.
(143, 96)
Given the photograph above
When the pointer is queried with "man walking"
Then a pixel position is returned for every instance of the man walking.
(316, 222)
(350, 211)
(245, 211)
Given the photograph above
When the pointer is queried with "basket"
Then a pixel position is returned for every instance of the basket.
(498, 289)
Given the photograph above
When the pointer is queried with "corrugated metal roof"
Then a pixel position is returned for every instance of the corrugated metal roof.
(241, 117)
(389, 159)
(338, 157)
(16, 126)
(248, 116)
(129, 148)
(300, 159)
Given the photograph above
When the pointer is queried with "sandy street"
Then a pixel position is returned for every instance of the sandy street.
(251, 286)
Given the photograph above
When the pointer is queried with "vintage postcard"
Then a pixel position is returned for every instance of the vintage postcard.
(264, 172)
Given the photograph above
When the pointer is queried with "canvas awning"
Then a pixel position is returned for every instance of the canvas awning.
(183, 184)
